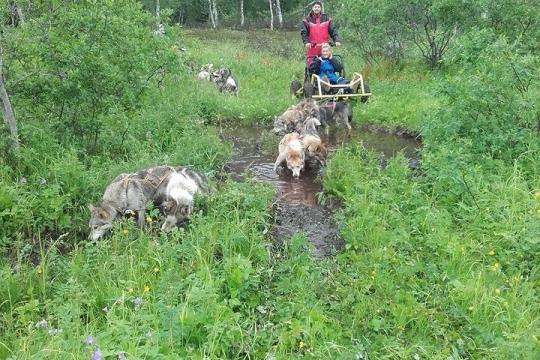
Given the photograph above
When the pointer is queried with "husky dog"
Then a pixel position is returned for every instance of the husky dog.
(292, 153)
(335, 112)
(177, 197)
(127, 193)
(225, 81)
(290, 120)
(311, 142)
(309, 108)
(204, 73)
(160, 31)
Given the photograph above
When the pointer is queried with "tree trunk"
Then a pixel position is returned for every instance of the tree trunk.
(16, 14)
(215, 13)
(242, 19)
(280, 15)
(211, 13)
(271, 15)
(7, 110)
(18, 10)
(158, 9)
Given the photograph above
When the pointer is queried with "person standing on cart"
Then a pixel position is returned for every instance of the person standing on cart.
(316, 30)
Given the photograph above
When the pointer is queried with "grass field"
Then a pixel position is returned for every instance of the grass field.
(437, 264)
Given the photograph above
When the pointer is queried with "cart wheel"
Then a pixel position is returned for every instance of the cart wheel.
(364, 99)
(308, 90)
(295, 87)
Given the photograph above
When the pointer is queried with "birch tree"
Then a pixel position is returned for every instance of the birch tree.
(211, 13)
(215, 12)
(158, 9)
(280, 15)
(271, 15)
(7, 110)
(242, 19)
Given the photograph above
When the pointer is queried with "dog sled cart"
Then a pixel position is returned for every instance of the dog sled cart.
(321, 90)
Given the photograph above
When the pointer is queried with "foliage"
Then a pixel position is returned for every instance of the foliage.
(428, 279)
(439, 263)
(78, 62)
(256, 12)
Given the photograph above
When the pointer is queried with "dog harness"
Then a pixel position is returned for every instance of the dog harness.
(331, 105)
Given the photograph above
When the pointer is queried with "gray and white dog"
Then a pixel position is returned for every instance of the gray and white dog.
(176, 199)
(170, 189)
(335, 113)
(205, 72)
(225, 81)
(127, 193)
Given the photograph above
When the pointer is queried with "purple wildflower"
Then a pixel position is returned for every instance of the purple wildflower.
(89, 340)
(138, 302)
(41, 324)
(97, 355)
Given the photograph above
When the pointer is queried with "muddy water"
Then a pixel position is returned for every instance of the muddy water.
(296, 206)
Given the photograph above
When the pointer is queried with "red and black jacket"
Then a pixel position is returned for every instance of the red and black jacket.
(318, 29)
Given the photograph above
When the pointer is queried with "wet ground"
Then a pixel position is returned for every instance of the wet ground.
(296, 206)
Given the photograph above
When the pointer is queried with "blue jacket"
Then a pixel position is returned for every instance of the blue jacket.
(326, 67)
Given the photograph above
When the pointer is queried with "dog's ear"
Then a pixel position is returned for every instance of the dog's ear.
(167, 206)
(102, 214)
(92, 208)
(184, 210)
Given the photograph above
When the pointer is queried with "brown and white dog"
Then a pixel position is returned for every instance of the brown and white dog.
(311, 141)
(292, 153)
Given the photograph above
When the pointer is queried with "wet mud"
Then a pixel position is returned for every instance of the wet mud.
(296, 208)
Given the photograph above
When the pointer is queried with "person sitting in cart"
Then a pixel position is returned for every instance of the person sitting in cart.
(317, 29)
(327, 66)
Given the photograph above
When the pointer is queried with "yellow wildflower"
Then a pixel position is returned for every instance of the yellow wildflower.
(471, 308)
(301, 345)
(156, 270)
(146, 288)
(130, 290)
(149, 219)
(491, 253)
(535, 338)
(125, 231)
(39, 269)
(498, 291)
(537, 195)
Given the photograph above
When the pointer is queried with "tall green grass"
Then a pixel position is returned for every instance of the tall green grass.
(429, 270)
(265, 63)
(423, 279)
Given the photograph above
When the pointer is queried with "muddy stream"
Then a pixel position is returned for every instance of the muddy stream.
(296, 205)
